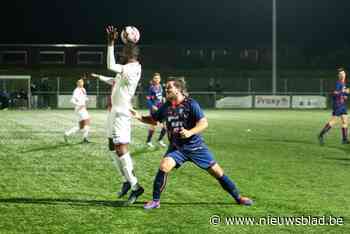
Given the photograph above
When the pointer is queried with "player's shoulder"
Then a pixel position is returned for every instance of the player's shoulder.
(192, 101)
(132, 66)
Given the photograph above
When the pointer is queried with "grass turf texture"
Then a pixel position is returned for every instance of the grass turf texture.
(47, 186)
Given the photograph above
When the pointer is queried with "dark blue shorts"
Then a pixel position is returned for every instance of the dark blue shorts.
(339, 111)
(200, 156)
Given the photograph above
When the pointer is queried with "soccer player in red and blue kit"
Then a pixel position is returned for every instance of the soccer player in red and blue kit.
(185, 121)
(339, 97)
(154, 101)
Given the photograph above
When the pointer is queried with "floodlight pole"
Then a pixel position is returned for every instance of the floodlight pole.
(274, 47)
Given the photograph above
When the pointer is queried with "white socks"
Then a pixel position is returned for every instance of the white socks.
(128, 169)
(86, 132)
(117, 164)
(72, 131)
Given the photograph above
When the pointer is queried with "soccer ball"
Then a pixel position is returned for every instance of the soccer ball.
(130, 34)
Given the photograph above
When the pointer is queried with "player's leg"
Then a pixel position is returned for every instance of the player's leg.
(204, 159)
(128, 170)
(84, 124)
(327, 128)
(115, 159)
(228, 185)
(151, 131)
(121, 138)
(86, 130)
(118, 166)
(344, 129)
(71, 131)
(161, 135)
(166, 165)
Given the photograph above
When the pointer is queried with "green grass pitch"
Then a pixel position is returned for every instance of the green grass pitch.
(47, 186)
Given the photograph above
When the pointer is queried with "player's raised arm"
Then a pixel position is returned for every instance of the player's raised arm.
(112, 36)
(106, 79)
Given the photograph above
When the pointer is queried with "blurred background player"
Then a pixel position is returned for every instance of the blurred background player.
(154, 100)
(128, 74)
(339, 97)
(185, 121)
(79, 99)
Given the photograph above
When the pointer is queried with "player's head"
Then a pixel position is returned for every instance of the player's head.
(156, 78)
(130, 52)
(80, 83)
(341, 74)
(175, 88)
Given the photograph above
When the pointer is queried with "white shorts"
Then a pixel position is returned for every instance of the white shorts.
(83, 115)
(119, 128)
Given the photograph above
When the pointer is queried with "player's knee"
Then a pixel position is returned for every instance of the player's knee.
(216, 171)
(166, 165)
(121, 149)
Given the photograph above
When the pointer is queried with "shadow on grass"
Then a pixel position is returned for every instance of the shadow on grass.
(339, 159)
(313, 143)
(143, 150)
(82, 202)
(64, 202)
(51, 147)
(289, 141)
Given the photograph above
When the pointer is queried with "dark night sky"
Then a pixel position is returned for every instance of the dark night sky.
(243, 22)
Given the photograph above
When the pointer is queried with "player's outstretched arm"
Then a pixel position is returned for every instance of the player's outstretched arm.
(106, 79)
(143, 119)
(201, 125)
(112, 36)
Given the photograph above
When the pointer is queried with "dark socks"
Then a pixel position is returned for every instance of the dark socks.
(159, 184)
(229, 187)
(344, 132)
(150, 134)
(162, 134)
(325, 129)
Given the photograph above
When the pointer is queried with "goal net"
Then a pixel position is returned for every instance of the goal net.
(15, 92)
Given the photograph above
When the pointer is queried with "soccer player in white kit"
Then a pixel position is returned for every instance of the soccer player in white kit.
(128, 74)
(109, 125)
(79, 99)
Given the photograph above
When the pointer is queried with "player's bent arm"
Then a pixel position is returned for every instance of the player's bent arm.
(111, 65)
(201, 125)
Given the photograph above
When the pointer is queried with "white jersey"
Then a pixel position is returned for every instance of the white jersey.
(125, 84)
(79, 98)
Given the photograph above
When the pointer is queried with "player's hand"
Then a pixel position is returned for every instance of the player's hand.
(112, 34)
(154, 108)
(136, 114)
(94, 75)
(184, 133)
(347, 90)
